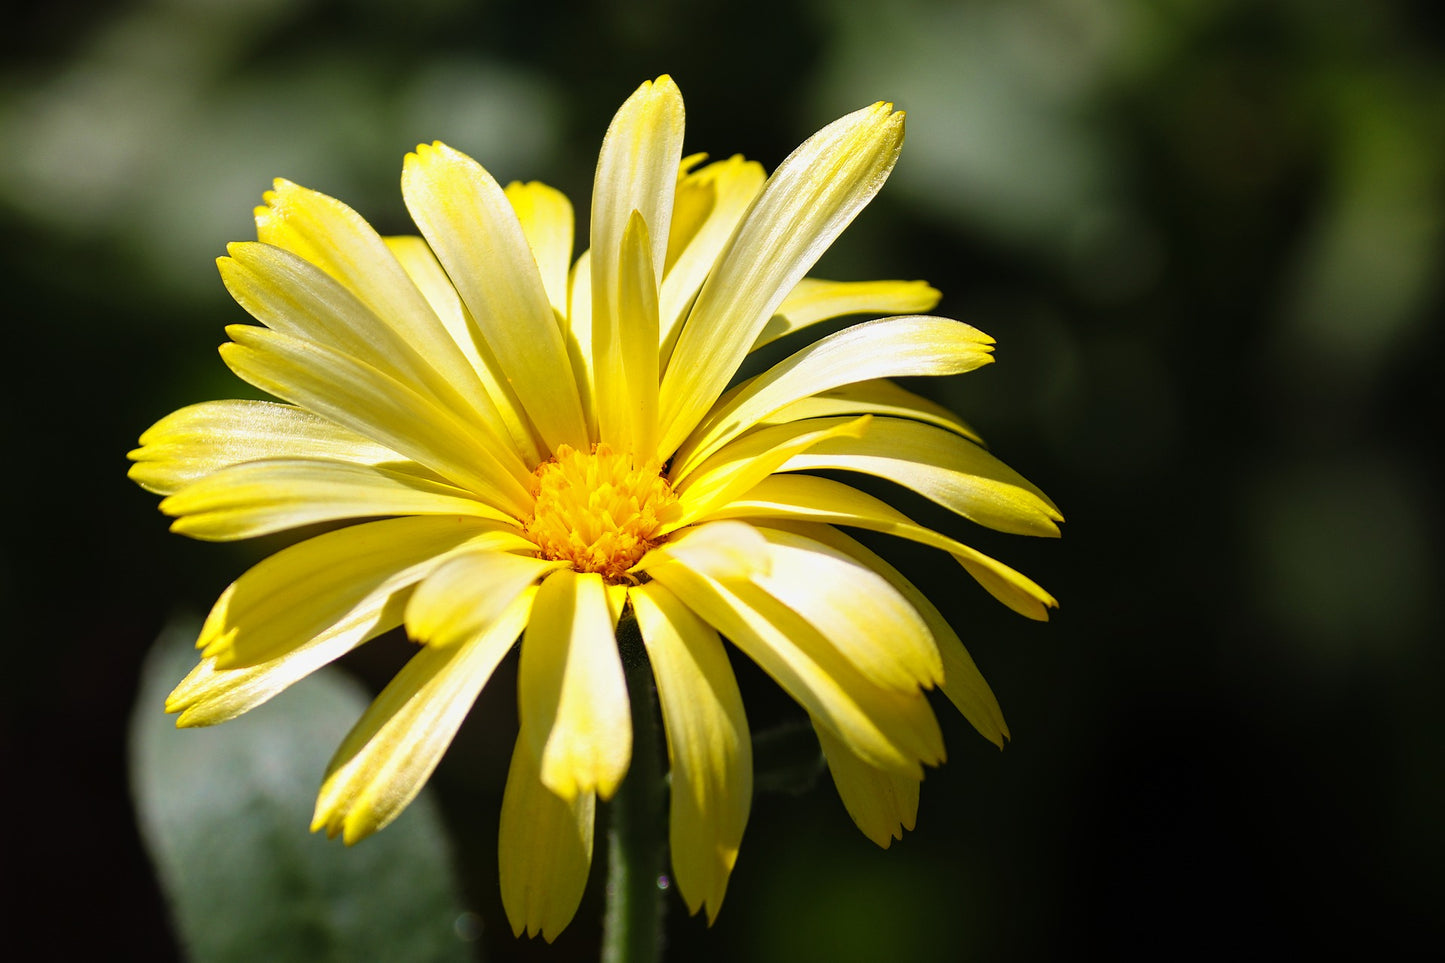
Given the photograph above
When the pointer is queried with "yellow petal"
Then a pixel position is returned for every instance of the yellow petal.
(261, 497)
(571, 692)
(544, 850)
(855, 609)
(708, 206)
(336, 239)
(196, 440)
(708, 745)
(288, 599)
(295, 297)
(804, 206)
(882, 804)
(579, 336)
(631, 210)
(885, 348)
(471, 226)
(808, 498)
(962, 683)
(388, 755)
(624, 348)
(469, 591)
(890, 729)
(937, 464)
(427, 274)
(879, 397)
(546, 218)
(814, 300)
(739, 466)
(358, 396)
(730, 550)
(636, 172)
(209, 695)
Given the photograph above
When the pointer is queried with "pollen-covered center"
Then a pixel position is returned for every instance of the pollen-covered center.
(597, 511)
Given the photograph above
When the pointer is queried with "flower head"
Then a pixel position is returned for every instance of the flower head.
(526, 445)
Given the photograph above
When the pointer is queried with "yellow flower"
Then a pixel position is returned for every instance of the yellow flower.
(531, 446)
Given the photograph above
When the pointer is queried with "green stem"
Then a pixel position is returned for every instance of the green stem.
(632, 928)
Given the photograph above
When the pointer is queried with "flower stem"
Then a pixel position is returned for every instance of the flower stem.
(632, 928)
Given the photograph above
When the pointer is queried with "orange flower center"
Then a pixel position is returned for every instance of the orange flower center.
(598, 512)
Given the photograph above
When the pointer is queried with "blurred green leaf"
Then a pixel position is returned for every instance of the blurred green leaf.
(224, 813)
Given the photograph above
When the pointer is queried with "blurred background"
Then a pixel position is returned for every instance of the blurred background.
(1207, 235)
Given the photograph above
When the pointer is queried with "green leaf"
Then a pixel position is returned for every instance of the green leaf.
(225, 813)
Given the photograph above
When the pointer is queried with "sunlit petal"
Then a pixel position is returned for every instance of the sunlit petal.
(571, 692)
(261, 497)
(962, 682)
(304, 590)
(196, 440)
(855, 609)
(813, 300)
(808, 498)
(886, 348)
(809, 200)
(386, 758)
(879, 397)
(426, 273)
(332, 236)
(546, 218)
(544, 849)
(469, 591)
(883, 804)
(708, 745)
(359, 397)
(471, 226)
(890, 729)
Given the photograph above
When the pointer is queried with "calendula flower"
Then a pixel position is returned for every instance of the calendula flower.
(527, 445)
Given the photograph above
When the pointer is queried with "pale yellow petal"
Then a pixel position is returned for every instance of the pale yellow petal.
(885, 348)
(546, 218)
(427, 274)
(196, 440)
(813, 300)
(937, 464)
(890, 729)
(336, 239)
(289, 598)
(473, 230)
(879, 397)
(636, 171)
(262, 497)
(855, 609)
(708, 745)
(388, 755)
(544, 849)
(707, 208)
(808, 498)
(804, 206)
(624, 348)
(469, 591)
(725, 550)
(571, 692)
(632, 201)
(882, 804)
(297, 298)
(209, 695)
(579, 336)
(963, 683)
(739, 466)
(358, 396)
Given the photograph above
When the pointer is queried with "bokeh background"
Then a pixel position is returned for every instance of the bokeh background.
(1207, 235)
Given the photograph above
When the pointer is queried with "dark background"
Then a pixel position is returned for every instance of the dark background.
(1208, 239)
